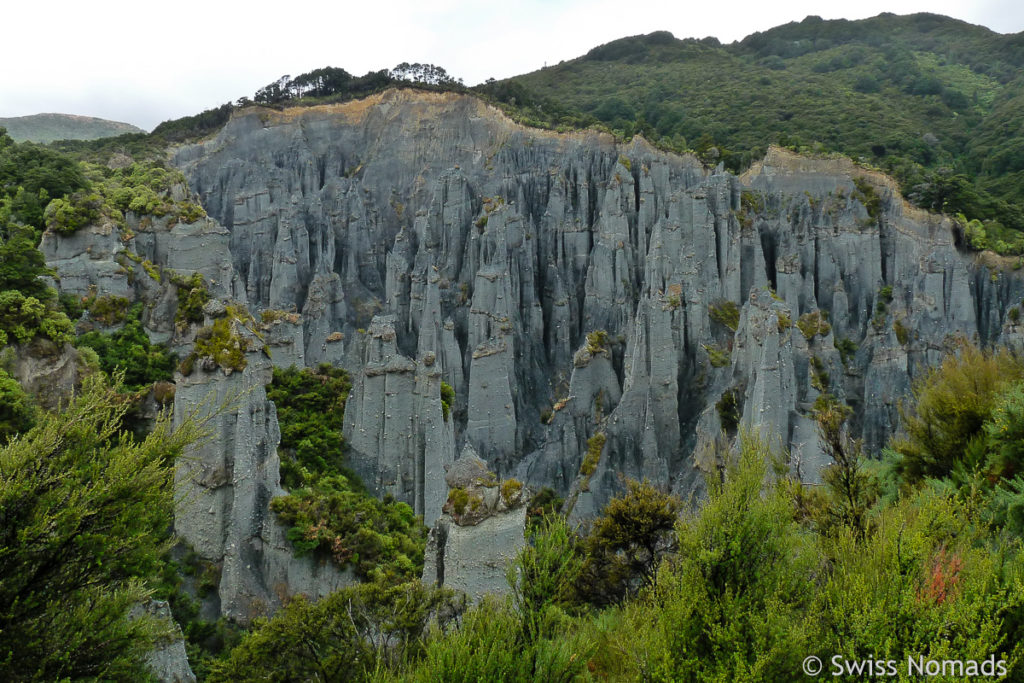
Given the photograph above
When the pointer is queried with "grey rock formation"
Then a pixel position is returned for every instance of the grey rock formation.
(399, 440)
(134, 263)
(224, 487)
(415, 238)
(470, 546)
(475, 559)
(167, 661)
(494, 249)
(48, 372)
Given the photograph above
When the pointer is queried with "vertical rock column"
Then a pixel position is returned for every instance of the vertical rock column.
(394, 423)
(223, 488)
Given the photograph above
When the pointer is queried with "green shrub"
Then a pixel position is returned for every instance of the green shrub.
(272, 315)
(545, 502)
(597, 342)
(819, 376)
(72, 305)
(24, 318)
(74, 212)
(381, 540)
(729, 410)
(737, 599)
(784, 321)
(152, 270)
(492, 645)
(447, 399)
(223, 344)
(865, 193)
(21, 263)
(346, 636)
(949, 408)
(1004, 435)
(192, 296)
(847, 348)
(719, 357)
(459, 499)
(726, 313)
(17, 411)
(87, 513)
(108, 310)
(751, 202)
(130, 351)
(813, 323)
(510, 489)
(902, 332)
(544, 574)
(626, 543)
(595, 444)
(187, 364)
(311, 413)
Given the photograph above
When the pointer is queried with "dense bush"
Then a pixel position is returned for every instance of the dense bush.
(143, 188)
(627, 542)
(311, 411)
(447, 399)
(344, 636)
(327, 510)
(726, 313)
(17, 411)
(951, 404)
(23, 318)
(192, 296)
(21, 263)
(223, 343)
(129, 350)
(940, 118)
(382, 540)
(85, 522)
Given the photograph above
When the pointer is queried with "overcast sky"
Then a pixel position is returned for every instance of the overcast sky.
(125, 61)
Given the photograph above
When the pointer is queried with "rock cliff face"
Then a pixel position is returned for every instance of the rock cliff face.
(602, 311)
(224, 487)
(425, 237)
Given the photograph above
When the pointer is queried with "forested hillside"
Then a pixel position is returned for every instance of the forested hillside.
(933, 101)
(51, 127)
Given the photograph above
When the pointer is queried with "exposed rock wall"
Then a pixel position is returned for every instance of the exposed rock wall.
(224, 486)
(472, 543)
(495, 249)
(416, 238)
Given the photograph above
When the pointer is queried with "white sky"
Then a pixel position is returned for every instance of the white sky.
(129, 62)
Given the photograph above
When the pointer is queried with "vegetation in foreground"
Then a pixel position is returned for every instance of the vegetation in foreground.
(85, 512)
(916, 555)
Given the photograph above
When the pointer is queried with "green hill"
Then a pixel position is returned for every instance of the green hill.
(934, 101)
(51, 127)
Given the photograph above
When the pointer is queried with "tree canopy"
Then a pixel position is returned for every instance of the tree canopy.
(84, 520)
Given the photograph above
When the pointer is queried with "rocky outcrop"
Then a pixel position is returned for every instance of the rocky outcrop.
(602, 310)
(480, 532)
(224, 486)
(136, 261)
(490, 251)
(46, 371)
(474, 559)
(167, 661)
(399, 438)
